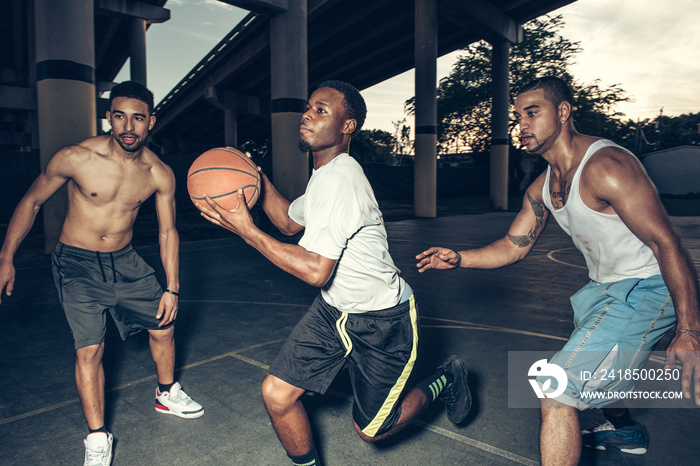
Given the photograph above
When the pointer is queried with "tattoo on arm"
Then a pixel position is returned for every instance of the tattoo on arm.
(523, 241)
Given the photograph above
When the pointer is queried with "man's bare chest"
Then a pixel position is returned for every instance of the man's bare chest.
(107, 183)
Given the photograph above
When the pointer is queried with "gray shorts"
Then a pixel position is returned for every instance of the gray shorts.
(90, 283)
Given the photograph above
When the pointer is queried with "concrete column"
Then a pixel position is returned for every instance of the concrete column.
(498, 187)
(65, 69)
(289, 89)
(137, 55)
(425, 167)
(230, 120)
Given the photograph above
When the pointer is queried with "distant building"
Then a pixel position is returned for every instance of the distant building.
(674, 171)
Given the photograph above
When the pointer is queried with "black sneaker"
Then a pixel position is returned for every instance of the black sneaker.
(630, 439)
(456, 396)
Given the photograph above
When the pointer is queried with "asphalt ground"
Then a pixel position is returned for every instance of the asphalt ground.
(236, 309)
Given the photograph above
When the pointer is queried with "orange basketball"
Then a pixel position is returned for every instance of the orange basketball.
(220, 173)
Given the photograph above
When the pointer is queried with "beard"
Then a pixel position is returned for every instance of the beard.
(304, 146)
(540, 145)
(130, 147)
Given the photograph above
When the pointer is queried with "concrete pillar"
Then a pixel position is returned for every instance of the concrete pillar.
(137, 55)
(498, 187)
(65, 69)
(425, 167)
(289, 89)
(230, 120)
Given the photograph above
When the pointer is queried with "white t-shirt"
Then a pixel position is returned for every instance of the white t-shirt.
(342, 221)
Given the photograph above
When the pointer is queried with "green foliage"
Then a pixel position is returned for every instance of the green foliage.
(667, 132)
(464, 97)
(660, 133)
(373, 146)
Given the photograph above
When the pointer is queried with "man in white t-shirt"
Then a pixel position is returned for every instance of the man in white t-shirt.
(365, 317)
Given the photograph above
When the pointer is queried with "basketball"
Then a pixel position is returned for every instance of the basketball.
(220, 173)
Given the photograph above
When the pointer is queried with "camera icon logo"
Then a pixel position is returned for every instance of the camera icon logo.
(542, 368)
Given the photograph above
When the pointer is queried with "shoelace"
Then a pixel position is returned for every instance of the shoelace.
(603, 427)
(96, 455)
(181, 398)
(448, 396)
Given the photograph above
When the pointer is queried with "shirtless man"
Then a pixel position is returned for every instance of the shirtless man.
(642, 280)
(96, 269)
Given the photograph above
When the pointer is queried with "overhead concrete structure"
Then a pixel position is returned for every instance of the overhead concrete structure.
(363, 42)
(60, 56)
(249, 89)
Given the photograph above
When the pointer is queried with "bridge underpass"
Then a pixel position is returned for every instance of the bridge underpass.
(253, 85)
(229, 97)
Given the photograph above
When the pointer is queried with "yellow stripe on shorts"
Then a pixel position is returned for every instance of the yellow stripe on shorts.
(395, 392)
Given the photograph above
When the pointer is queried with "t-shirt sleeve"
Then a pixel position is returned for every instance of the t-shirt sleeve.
(332, 215)
(296, 210)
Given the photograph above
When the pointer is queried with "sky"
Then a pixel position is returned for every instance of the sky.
(650, 48)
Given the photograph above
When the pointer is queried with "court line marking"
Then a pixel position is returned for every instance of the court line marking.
(233, 354)
(477, 444)
(455, 436)
(550, 256)
(474, 326)
(463, 325)
(236, 354)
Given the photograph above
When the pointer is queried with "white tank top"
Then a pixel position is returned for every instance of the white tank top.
(611, 250)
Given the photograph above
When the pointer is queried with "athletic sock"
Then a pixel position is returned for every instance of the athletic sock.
(101, 429)
(623, 420)
(435, 384)
(164, 387)
(309, 459)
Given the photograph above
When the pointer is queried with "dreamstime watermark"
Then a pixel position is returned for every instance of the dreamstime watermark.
(593, 379)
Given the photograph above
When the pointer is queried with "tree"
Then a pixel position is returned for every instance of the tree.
(374, 146)
(403, 146)
(667, 132)
(464, 97)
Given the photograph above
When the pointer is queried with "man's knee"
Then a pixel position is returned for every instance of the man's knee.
(278, 395)
(89, 355)
(364, 436)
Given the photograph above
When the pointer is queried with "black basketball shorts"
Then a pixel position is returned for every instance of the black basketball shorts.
(379, 348)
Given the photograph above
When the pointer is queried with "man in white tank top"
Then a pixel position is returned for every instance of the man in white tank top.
(601, 196)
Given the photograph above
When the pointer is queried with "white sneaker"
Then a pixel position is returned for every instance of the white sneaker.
(98, 449)
(178, 403)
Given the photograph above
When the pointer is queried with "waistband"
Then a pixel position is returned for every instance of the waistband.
(98, 255)
(389, 313)
(88, 254)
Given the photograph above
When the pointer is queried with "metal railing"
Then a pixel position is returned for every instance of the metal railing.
(201, 67)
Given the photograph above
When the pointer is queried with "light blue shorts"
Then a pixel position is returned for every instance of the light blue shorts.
(617, 325)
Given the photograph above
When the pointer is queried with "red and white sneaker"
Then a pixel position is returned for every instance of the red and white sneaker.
(177, 402)
(98, 449)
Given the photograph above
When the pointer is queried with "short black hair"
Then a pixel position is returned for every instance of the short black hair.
(132, 90)
(555, 89)
(354, 104)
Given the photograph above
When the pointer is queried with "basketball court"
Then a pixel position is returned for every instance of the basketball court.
(236, 309)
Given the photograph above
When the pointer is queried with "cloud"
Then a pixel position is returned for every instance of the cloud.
(648, 47)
